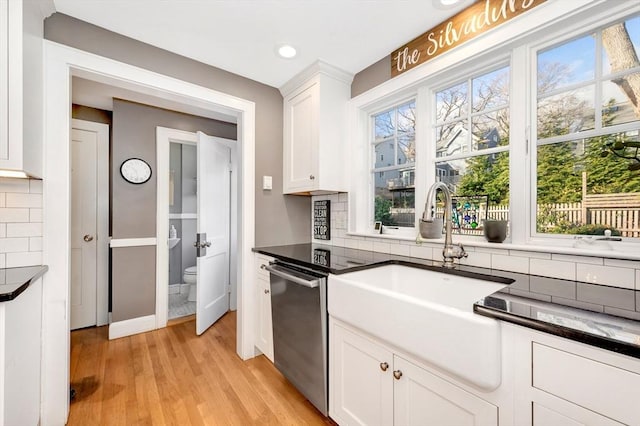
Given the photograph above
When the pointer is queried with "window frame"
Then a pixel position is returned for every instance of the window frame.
(541, 26)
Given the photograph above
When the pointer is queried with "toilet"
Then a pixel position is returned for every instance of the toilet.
(191, 277)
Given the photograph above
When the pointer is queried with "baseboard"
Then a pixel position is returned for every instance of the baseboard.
(133, 326)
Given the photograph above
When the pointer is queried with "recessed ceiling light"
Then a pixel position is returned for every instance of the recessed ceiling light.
(444, 4)
(287, 51)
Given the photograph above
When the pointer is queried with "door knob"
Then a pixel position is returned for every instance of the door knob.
(88, 238)
(397, 374)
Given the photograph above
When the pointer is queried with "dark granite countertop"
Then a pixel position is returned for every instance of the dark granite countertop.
(597, 315)
(14, 281)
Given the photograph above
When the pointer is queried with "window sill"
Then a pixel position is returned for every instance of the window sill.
(621, 250)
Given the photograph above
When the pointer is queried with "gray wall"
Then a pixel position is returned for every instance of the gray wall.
(279, 219)
(371, 76)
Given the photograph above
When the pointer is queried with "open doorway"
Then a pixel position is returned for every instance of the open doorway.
(62, 63)
(197, 207)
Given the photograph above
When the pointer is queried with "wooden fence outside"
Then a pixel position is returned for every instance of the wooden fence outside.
(618, 211)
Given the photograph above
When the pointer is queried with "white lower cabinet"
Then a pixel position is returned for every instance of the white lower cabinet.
(562, 382)
(372, 385)
(264, 329)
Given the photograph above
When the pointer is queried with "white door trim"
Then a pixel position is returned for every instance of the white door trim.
(61, 63)
(164, 136)
(102, 230)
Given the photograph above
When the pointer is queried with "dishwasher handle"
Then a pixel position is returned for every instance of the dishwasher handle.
(289, 277)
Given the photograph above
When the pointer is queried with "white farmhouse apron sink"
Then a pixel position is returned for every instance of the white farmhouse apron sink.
(427, 314)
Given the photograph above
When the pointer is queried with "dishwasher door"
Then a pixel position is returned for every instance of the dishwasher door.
(299, 316)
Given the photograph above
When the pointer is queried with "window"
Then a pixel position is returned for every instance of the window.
(394, 169)
(588, 133)
(472, 142)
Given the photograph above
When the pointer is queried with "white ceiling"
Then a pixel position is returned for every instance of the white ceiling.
(241, 36)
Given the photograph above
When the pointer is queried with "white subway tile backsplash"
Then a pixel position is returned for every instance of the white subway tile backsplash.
(35, 186)
(381, 247)
(351, 243)
(24, 200)
(35, 244)
(510, 263)
(365, 245)
(14, 185)
(607, 275)
(422, 252)
(622, 263)
(577, 259)
(336, 241)
(400, 250)
(13, 245)
(8, 215)
(343, 197)
(475, 258)
(20, 222)
(15, 260)
(24, 229)
(35, 215)
(530, 254)
(553, 268)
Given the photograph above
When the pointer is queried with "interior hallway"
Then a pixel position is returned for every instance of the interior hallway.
(173, 377)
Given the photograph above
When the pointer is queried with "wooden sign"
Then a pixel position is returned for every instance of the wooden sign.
(478, 18)
(322, 220)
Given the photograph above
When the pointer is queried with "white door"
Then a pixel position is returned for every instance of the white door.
(214, 209)
(83, 228)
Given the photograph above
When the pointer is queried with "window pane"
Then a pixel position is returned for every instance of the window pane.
(480, 175)
(384, 125)
(385, 154)
(451, 138)
(612, 199)
(569, 63)
(451, 103)
(621, 46)
(491, 130)
(567, 112)
(407, 148)
(491, 90)
(616, 106)
(395, 197)
(481, 187)
(407, 118)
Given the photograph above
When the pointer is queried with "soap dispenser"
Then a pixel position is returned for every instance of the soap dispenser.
(172, 232)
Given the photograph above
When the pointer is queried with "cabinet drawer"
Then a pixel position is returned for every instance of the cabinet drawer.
(599, 387)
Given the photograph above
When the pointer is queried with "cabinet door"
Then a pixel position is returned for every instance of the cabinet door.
(4, 79)
(361, 383)
(547, 410)
(264, 329)
(301, 135)
(422, 398)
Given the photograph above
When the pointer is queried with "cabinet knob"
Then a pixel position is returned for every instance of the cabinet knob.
(266, 291)
(397, 374)
(312, 177)
(384, 366)
(88, 238)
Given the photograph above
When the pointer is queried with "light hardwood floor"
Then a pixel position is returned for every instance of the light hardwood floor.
(173, 377)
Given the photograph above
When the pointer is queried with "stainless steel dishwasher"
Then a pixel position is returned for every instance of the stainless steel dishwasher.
(299, 315)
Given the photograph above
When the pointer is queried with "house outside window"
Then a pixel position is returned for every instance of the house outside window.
(394, 169)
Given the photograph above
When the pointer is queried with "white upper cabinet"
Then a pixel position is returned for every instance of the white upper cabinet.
(314, 130)
(21, 84)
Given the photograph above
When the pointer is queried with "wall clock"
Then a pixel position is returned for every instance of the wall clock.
(135, 170)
